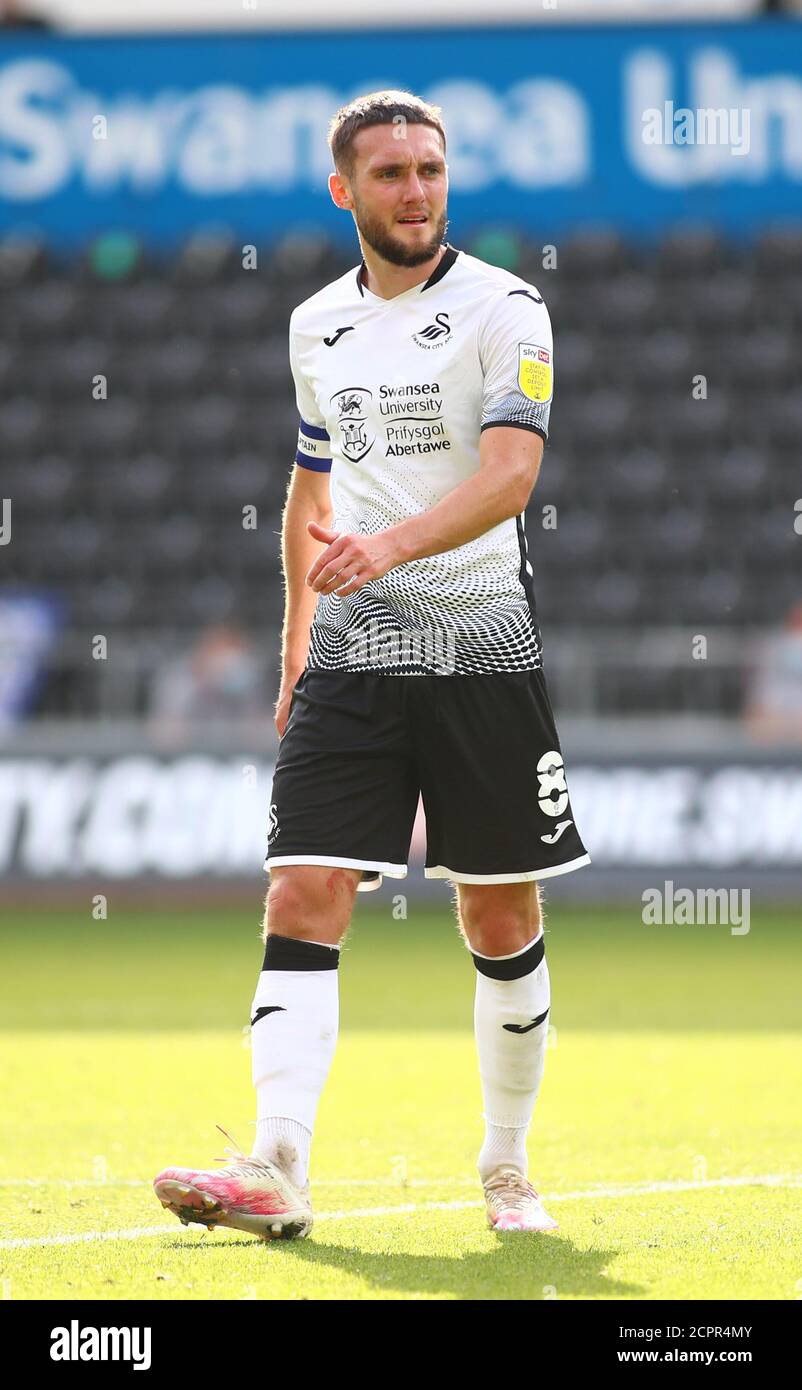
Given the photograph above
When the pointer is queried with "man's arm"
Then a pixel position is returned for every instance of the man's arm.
(308, 498)
(509, 462)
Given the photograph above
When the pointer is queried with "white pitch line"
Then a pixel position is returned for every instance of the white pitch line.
(788, 1180)
(602, 1190)
(643, 1189)
(318, 1182)
(74, 1182)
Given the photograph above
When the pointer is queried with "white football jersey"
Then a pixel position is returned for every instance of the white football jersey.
(393, 395)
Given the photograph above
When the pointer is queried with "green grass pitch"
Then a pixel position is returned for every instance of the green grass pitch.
(667, 1139)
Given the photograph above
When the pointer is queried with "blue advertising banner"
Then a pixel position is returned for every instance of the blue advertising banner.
(66, 816)
(547, 128)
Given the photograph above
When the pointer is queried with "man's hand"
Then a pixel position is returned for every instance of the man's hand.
(289, 681)
(349, 561)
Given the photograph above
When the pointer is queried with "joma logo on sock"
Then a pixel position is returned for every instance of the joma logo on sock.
(76, 1343)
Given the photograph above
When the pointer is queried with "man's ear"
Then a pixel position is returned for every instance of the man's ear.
(339, 191)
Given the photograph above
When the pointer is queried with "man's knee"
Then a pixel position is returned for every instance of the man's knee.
(497, 923)
(310, 902)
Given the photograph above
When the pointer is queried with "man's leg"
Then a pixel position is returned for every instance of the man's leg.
(295, 1010)
(293, 1035)
(502, 925)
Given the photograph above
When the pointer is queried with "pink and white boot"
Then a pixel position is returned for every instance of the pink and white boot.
(513, 1204)
(250, 1194)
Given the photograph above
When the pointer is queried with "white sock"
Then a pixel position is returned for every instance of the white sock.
(503, 1145)
(286, 1143)
(294, 1024)
(511, 1064)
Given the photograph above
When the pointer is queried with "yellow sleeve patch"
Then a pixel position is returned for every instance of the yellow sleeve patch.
(534, 372)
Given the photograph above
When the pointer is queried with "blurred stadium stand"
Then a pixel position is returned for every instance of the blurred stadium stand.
(678, 518)
(674, 514)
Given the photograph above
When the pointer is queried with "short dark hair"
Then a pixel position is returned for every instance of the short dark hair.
(377, 108)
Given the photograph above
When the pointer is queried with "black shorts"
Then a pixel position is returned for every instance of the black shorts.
(483, 752)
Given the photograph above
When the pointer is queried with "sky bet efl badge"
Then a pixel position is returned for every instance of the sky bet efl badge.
(534, 372)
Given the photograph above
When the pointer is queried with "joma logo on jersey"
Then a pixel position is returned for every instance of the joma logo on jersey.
(352, 405)
(434, 334)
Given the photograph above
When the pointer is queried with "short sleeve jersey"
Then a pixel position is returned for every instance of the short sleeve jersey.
(393, 397)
